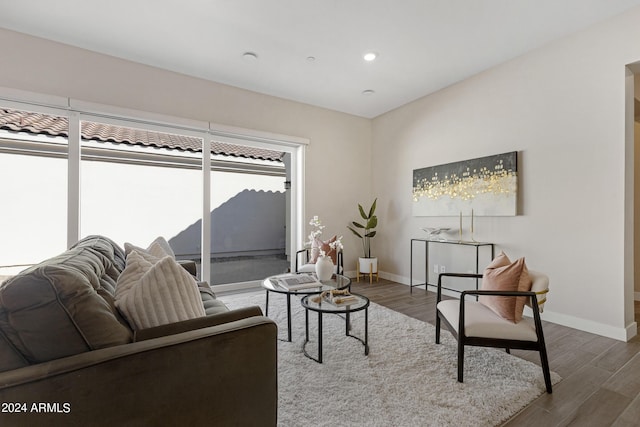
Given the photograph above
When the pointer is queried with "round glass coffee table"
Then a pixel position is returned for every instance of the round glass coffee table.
(321, 307)
(270, 284)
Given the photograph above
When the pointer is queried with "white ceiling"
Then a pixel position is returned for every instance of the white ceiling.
(423, 45)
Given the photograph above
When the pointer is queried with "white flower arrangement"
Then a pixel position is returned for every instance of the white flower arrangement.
(316, 232)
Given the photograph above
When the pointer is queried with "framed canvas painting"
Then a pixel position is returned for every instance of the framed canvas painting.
(488, 185)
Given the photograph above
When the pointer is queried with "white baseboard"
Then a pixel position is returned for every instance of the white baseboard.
(394, 277)
(621, 334)
(233, 287)
(632, 330)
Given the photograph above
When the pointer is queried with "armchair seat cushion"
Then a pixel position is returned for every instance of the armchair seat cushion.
(481, 321)
(311, 268)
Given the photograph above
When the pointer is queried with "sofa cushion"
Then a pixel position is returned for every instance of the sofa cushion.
(115, 258)
(10, 357)
(212, 305)
(60, 307)
(157, 294)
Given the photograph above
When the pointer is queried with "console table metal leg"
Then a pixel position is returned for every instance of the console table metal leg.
(478, 265)
(411, 268)
(426, 266)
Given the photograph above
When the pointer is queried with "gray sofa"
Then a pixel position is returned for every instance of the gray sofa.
(67, 356)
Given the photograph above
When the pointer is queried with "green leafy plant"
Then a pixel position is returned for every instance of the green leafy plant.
(365, 231)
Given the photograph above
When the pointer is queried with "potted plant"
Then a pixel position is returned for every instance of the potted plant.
(365, 231)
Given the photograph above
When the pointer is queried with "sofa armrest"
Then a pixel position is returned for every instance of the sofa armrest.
(200, 322)
(188, 265)
(223, 375)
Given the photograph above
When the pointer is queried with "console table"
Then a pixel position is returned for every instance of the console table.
(428, 242)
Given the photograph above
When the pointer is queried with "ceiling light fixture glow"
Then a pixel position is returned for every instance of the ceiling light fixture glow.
(370, 56)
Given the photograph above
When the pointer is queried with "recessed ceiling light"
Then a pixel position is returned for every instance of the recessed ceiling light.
(370, 56)
(311, 58)
(368, 92)
(250, 56)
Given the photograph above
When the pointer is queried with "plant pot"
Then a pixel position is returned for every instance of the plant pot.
(324, 268)
(368, 265)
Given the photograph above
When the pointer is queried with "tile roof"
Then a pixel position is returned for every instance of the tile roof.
(43, 124)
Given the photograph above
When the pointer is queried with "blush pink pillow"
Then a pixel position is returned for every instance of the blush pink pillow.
(319, 245)
(504, 275)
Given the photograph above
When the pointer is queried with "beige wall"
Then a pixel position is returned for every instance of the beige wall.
(562, 108)
(338, 166)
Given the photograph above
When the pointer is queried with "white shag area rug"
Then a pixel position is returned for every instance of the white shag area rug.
(406, 380)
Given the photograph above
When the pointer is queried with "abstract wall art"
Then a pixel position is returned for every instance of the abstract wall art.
(488, 185)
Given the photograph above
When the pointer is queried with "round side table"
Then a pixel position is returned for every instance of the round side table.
(322, 307)
(270, 284)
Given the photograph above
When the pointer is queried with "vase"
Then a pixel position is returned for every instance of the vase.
(324, 268)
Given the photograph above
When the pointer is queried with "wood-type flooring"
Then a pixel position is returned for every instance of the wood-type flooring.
(600, 376)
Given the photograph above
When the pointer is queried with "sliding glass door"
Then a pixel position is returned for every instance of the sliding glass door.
(33, 191)
(134, 192)
(134, 181)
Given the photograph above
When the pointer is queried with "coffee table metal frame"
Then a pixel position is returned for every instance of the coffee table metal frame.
(326, 307)
(337, 281)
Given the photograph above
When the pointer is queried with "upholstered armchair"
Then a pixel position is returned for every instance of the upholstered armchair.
(473, 323)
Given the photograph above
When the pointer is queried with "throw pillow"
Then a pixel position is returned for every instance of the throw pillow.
(165, 293)
(135, 268)
(159, 248)
(504, 275)
(319, 245)
(144, 253)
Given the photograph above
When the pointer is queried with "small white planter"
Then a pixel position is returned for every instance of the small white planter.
(368, 266)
